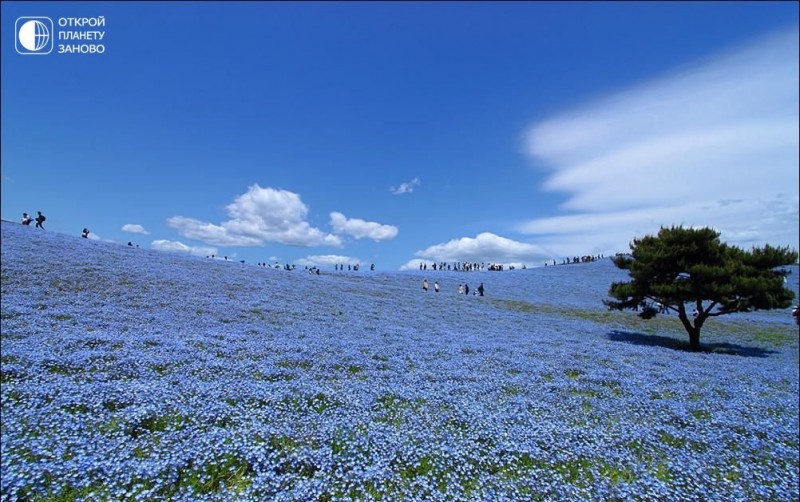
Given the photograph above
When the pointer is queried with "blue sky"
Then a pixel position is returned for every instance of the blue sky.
(388, 132)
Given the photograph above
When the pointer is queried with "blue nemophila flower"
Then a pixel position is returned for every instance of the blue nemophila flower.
(137, 375)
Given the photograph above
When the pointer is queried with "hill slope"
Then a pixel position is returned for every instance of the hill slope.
(129, 373)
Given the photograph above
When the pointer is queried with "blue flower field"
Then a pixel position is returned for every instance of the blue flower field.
(130, 374)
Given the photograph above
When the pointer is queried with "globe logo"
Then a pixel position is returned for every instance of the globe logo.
(34, 35)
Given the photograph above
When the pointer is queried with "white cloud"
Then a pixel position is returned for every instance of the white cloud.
(406, 187)
(328, 259)
(715, 144)
(362, 229)
(179, 247)
(414, 264)
(210, 233)
(484, 248)
(259, 216)
(134, 229)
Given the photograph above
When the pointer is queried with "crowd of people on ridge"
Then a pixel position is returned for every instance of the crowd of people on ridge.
(577, 259)
(456, 266)
(464, 266)
(312, 268)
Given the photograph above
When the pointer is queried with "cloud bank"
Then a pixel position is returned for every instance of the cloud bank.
(134, 229)
(714, 144)
(259, 216)
(483, 248)
(361, 229)
(179, 247)
(327, 260)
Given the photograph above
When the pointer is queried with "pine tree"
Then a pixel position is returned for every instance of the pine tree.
(684, 266)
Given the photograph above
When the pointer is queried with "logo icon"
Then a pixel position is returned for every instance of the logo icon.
(34, 35)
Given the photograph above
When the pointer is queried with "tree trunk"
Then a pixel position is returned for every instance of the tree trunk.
(692, 329)
(694, 338)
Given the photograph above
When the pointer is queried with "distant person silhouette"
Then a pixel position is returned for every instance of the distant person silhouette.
(26, 220)
(39, 220)
(85, 233)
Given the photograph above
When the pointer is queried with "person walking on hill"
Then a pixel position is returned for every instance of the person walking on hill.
(480, 290)
(26, 220)
(39, 220)
(436, 286)
(425, 285)
(85, 233)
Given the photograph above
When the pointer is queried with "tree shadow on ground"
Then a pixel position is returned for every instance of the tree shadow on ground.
(683, 345)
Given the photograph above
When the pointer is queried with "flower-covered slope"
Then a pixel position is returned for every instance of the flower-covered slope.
(129, 374)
